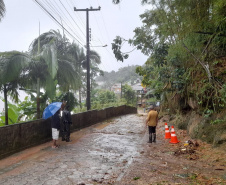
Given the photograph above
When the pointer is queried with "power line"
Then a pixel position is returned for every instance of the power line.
(97, 24)
(72, 17)
(53, 8)
(57, 22)
(72, 33)
(104, 22)
(111, 63)
(77, 15)
(69, 22)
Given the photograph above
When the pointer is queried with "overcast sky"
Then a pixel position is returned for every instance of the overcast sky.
(20, 26)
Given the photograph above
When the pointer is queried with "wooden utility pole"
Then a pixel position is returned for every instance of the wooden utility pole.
(121, 90)
(88, 104)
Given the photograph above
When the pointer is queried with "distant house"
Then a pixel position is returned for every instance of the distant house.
(116, 88)
(139, 89)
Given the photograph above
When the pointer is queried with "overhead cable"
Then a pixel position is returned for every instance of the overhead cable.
(57, 22)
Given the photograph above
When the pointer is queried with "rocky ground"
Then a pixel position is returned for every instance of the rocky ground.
(116, 152)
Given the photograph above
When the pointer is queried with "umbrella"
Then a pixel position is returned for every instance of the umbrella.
(51, 109)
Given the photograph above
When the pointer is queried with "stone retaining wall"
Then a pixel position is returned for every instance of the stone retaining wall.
(17, 137)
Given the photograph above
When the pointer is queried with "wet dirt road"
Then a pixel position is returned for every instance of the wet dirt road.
(97, 154)
(113, 152)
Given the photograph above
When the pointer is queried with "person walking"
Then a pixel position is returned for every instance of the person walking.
(55, 124)
(151, 122)
(66, 121)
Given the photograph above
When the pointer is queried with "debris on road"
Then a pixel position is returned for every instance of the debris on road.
(189, 147)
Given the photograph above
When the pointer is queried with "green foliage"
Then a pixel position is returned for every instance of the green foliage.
(217, 121)
(129, 95)
(222, 94)
(103, 97)
(208, 113)
(2, 9)
(152, 99)
(14, 114)
(52, 61)
(186, 41)
(123, 75)
(11, 65)
(136, 178)
(116, 1)
(116, 47)
(56, 53)
(78, 109)
(69, 97)
(28, 107)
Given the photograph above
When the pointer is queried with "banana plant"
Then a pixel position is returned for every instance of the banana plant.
(56, 64)
(11, 66)
(2, 9)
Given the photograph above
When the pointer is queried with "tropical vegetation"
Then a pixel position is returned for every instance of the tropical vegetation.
(123, 75)
(186, 45)
(51, 70)
(2, 9)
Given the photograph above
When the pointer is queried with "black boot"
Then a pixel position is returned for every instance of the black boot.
(63, 138)
(154, 140)
(150, 138)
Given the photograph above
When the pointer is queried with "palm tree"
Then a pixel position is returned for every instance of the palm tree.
(95, 60)
(11, 67)
(70, 60)
(65, 71)
(62, 71)
(78, 58)
(2, 9)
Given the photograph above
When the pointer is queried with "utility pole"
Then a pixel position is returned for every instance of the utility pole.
(121, 90)
(88, 104)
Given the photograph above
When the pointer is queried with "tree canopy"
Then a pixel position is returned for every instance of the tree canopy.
(52, 64)
(186, 45)
(2, 9)
(123, 75)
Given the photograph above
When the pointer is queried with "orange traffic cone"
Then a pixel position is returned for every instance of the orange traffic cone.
(167, 132)
(172, 129)
(174, 139)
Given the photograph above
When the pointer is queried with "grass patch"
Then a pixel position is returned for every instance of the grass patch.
(136, 178)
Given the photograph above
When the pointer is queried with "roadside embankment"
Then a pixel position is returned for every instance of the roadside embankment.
(211, 129)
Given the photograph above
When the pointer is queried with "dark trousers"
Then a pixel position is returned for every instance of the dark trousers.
(66, 131)
(152, 131)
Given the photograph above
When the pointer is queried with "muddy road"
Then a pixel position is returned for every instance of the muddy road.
(116, 152)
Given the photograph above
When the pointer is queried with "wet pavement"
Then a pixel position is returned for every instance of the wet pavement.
(112, 152)
(101, 154)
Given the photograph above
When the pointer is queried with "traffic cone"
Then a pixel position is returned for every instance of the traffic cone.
(172, 129)
(167, 132)
(174, 139)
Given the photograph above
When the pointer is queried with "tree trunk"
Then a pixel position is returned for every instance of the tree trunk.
(205, 66)
(80, 98)
(38, 98)
(6, 105)
(79, 91)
